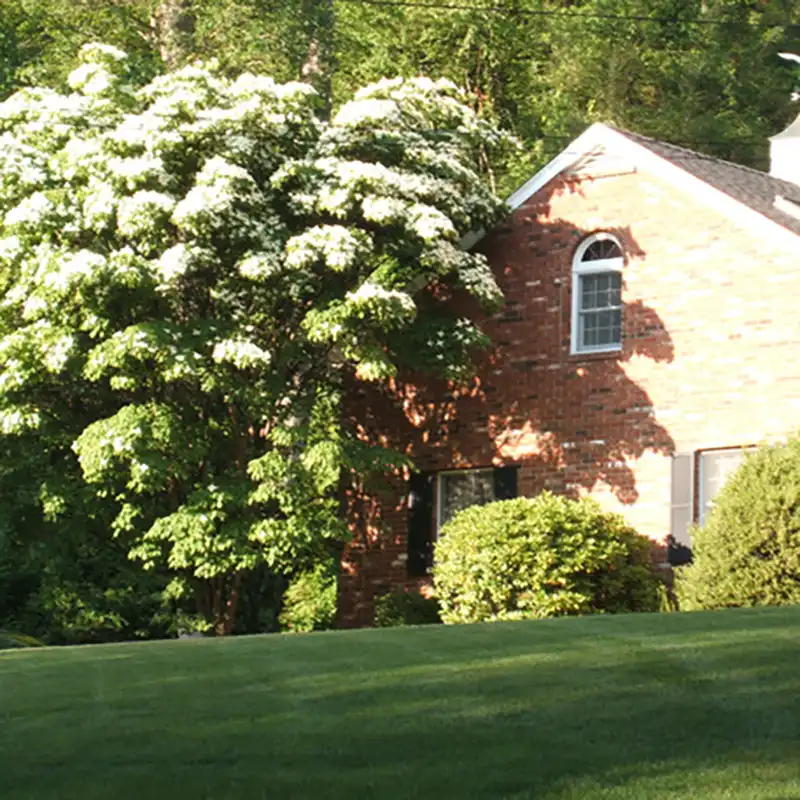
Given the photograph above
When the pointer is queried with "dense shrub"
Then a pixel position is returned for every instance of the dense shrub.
(405, 608)
(10, 640)
(542, 557)
(67, 586)
(310, 601)
(748, 553)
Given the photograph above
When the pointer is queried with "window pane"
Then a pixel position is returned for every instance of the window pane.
(588, 337)
(605, 248)
(716, 469)
(588, 291)
(600, 291)
(463, 489)
(600, 328)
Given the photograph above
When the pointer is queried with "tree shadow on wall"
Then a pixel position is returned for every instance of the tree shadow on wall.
(571, 421)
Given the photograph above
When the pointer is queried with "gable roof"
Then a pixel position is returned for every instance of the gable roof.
(749, 186)
(743, 194)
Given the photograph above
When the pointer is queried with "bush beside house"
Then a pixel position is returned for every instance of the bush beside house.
(542, 557)
(310, 600)
(398, 608)
(748, 553)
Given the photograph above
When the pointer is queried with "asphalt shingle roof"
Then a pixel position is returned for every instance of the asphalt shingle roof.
(749, 186)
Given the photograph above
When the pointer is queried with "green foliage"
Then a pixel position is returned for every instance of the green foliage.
(398, 608)
(310, 601)
(10, 640)
(542, 557)
(718, 85)
(192, 272)
(748, 552)
(39, 38)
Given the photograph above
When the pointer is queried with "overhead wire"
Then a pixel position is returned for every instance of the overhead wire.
(565, 14)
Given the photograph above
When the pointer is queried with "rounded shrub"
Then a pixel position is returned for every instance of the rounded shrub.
(542, 557)
(398, 608)
(748, 553)
(310, 600)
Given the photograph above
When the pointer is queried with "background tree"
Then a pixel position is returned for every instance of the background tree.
(705, 74)
(191, 274)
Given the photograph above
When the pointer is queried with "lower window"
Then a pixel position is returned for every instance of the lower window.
(697, 479)
(459, 490)
(434, 497)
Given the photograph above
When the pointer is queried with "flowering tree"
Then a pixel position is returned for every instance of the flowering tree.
(189, 272)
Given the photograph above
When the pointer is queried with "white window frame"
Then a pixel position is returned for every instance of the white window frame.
(581, 268)
(440, 493)
(714, 451)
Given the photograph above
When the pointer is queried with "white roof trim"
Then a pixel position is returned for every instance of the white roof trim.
(579, 148)
(602, 135)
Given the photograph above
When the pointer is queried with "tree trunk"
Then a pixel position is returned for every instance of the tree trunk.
(224, 610)
(318, 67)
(174, 24)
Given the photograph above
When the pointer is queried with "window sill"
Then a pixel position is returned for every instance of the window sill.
(596, 355)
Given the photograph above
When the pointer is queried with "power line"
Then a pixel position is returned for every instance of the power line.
(534, 12)
(127, 126)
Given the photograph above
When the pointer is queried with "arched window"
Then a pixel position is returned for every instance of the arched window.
(597, 295)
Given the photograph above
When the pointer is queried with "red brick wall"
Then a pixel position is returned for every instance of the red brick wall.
(711, 337)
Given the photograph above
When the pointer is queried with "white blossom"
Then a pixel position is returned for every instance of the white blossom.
(429, 223)
(90, 79)
(261, 265)
(73, 268)
(20, 164)
(99, 205)
(137, 170)
(10, 248)
(176, 261)
(360, 111)
(336, 246)
(241, 353)
(370, 294)
(31, 211)
(18, 420)
(98, 51)
(57, 353)
(143, 213)
(383, 210)
(478, 279)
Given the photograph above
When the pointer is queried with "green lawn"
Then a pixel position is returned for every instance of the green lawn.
(642, 706)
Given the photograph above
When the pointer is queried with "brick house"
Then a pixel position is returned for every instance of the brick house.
(650, 335)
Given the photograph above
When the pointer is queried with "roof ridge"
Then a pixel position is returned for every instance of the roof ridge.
(750, 187)
(695, 153)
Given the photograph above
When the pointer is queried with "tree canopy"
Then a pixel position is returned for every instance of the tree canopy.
(191, 270)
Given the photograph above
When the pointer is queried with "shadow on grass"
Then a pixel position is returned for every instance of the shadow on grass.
(701, 706)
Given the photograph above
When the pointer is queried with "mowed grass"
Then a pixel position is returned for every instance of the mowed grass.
(640, 706)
